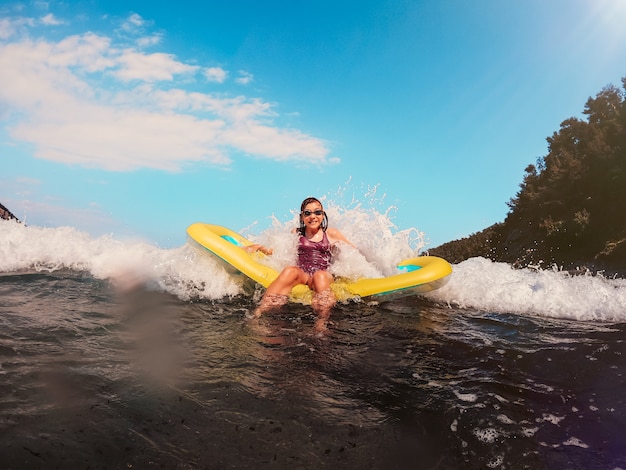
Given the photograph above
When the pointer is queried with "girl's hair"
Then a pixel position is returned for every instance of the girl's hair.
(305, 203)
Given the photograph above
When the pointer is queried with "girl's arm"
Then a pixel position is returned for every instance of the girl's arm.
(335, 235)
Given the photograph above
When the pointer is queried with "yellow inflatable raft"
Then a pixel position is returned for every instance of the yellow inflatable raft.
(415, 275)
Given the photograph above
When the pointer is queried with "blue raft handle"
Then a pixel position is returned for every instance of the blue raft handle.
(409, 268)
(228, 238)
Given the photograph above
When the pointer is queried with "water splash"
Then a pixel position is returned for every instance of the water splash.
(181, 271)
(188, 273)
(479, 283)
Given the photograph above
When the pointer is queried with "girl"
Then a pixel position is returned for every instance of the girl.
(316, 242)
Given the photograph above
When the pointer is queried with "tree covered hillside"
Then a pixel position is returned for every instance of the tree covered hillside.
(570, 209)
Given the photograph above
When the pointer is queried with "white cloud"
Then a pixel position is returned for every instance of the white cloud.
(281, 144)
(85, 101)
(135, 20)
(135, 65)
(133, 24)
(122, 141)
(50, 20)
(10, 27)
(244, 77)
(215, 74)
(6, 28)
(148, 41)
(89, 52)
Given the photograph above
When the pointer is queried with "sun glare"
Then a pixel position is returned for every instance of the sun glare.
(610, 16)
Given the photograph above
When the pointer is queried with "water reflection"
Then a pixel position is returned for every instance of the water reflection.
(339, 374)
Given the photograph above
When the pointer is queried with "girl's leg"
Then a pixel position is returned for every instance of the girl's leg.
(320, 281)
(270, 302)
(289, 277)
(277, 293)
(324, 298)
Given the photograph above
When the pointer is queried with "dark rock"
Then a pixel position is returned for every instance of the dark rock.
(6, 214)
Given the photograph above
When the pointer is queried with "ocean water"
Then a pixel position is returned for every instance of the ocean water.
(121, 354)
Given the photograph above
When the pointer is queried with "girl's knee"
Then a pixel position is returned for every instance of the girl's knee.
(290, 276)
(290, 272)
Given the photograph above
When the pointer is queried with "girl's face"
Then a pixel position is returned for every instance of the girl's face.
(312, 215)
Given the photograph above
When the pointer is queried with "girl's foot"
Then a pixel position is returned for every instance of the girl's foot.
(270, 302)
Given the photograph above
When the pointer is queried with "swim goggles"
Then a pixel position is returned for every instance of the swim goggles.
(316, 212)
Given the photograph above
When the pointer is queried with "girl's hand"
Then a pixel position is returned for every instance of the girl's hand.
(257, 247)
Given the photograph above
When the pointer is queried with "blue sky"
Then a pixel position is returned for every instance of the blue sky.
(139, 118)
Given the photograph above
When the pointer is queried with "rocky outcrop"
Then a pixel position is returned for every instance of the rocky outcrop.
(6, 214)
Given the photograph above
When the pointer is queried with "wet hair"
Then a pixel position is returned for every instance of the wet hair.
(305, 203)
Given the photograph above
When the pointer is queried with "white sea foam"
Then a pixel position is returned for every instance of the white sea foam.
(529, 432)
(505, 419)
(485, 285)
(550, 418)
(181, 271)
(468, 397)
(487, 435)
(574, 441)
(189, 273)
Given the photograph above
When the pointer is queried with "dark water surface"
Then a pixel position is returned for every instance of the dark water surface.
(91, 378)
